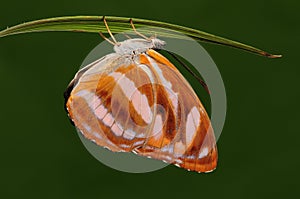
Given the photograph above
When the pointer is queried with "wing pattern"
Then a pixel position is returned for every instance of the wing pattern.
(143, 104)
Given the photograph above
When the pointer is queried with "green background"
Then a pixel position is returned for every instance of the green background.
(42, 156)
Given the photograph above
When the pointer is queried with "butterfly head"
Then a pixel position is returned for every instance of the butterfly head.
(157, 43)
(138, 45)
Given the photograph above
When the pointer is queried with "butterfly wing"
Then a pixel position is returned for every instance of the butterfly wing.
(143, 105)
(185, 137)
(111, 103)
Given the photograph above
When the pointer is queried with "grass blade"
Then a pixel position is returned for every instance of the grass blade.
(94, 24)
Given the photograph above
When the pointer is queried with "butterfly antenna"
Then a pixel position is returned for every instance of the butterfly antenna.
(138, 33)
(109, 32)
(203, 84)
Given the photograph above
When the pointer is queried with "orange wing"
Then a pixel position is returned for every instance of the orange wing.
(145, 106)
(188, 139)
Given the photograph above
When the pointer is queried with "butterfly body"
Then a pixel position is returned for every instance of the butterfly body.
(135, 100)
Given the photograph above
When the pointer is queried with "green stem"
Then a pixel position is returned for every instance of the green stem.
(94, 24)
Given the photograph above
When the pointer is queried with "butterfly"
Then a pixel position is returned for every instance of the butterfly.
(136, 100)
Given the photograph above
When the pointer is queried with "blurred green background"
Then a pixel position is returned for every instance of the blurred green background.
(42, 156)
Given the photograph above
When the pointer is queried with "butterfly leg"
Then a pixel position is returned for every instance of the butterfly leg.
(138, 33)
(102, 35)
(108, 30)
